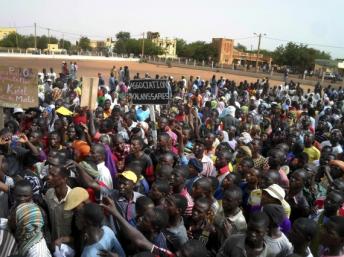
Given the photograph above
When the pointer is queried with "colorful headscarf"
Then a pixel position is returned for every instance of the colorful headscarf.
(56, 94)
(29, 221)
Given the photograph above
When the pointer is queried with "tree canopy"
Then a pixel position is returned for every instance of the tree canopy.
(123, 35)
(84, 43)
(300, 57)
(198, 50)
(22, 41)
(134, 46)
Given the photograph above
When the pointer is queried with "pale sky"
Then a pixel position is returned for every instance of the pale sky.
(308, 21)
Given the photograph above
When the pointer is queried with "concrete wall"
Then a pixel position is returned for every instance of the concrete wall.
(68, 57)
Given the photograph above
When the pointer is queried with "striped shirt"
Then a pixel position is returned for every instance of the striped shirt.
(190, 203)
(8, 244)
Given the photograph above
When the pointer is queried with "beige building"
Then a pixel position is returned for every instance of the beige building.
(227, 54)
(97, 43)
(322, 65)
(169, 46)
(5, 31)
(108, 44)
(54, 48)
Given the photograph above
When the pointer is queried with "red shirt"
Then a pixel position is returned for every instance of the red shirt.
(223, 170)
(80, 119)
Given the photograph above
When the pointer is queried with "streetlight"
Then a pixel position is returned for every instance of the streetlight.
(260, 37)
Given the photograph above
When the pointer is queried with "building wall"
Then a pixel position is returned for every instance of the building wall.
(228, 55)
(224, 49)
(97, 43)
(5, 31)
(168, 45)
(52, 47)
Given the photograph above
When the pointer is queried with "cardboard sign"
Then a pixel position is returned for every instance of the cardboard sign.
(150, 91)
(18, 87)
(89, 93)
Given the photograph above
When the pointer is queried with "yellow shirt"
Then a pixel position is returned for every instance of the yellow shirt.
(313, 153)
(78, 91)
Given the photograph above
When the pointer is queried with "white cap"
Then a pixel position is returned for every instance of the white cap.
(18, 110)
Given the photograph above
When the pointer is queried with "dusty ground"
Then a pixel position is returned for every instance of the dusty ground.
(91, 68)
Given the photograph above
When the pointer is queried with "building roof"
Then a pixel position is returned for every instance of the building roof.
(326, 63)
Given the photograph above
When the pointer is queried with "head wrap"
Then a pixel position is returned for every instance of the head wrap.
(29, 224)
(82, 148)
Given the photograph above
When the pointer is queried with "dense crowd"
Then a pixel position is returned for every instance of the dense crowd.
(227, 169)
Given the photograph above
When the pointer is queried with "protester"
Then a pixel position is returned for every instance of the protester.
(227, 169)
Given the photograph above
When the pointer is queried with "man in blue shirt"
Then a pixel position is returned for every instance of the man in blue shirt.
(98, 238)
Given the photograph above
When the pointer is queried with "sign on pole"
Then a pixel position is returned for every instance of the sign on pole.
(18, 87)
(150, 91)
(89, 93)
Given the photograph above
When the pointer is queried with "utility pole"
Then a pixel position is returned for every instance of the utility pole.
(35, 37)
(17, 45)
(48, 36)
(259, 39)
(143, 45)
(251, 56)
(62, 41)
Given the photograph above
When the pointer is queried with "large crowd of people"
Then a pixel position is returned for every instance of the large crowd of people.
(228, 169)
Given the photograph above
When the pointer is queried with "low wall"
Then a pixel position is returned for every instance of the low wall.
(68, 57)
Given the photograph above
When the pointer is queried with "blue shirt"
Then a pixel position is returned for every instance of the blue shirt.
(142, 115)
(108, 242)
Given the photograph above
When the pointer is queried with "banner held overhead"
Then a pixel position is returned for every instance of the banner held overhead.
(150, 91)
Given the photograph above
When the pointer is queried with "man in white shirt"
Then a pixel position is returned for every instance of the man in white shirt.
(98, 153)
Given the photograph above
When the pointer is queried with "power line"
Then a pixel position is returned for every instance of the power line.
(311, 44)
(21, 27)
(78, 35)
(75, 34)
(244, 38)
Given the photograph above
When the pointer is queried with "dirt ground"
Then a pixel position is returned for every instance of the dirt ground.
(90, 68)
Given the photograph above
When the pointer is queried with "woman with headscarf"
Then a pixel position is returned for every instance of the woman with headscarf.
(220, 107)
(26, 222)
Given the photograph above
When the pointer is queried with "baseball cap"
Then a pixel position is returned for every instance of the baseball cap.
(129, 175)
(75, 197)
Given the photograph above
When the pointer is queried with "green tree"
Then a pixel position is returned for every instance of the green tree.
(65, 44)
(201, 50)
(27, 42)
(241, 47)
(181, 47)
(151, 48)
(266, 52)
(9, 40)
(42, 42)
(53, 40)
(123, 35)
(84, 43)
(134, 46)
(300, 57)
(120, 47)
